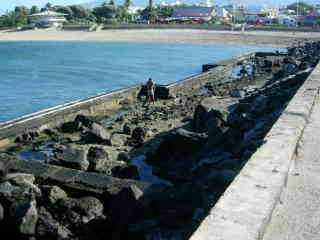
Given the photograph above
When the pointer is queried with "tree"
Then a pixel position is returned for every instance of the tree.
(48, 6)
(127, 4)
(65, 10)
(21, 13)
(302, 7)
(104, 12)
(34, 9)
(79, 11)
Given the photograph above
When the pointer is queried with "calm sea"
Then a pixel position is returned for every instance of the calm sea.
(38, 75)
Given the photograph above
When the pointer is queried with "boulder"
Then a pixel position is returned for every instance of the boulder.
(76, 212)
(70, 127)
(139, 134)
(26, 217)
(49, 228)
(127, 129)
(126, 171)
(118, 140)
(20, 178)
(86, 121)
(123, 207)
(73, 158)
(211, 108)
(90, 208)
(179, 145)
(123, 156)
(3, 171)
(52, 194)
(97, 134)
(1, 213)
(97, 158)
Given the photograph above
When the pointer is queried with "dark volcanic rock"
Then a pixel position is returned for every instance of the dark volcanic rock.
(179, 145)
(1, 213)
(26, 217)
(139, 134)
(128, 172)
(123, 156)
(97, 134)
(76, 212)
(127, 129)
(123, 208)
(70, 127)
(49, 228)
(52, 194)
(73, 158)
(97, 158)
(3, 171)
(86, 121)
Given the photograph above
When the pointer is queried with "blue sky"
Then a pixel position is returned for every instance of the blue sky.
(10, 4)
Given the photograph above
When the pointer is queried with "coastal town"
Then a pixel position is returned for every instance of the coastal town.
(235, 15)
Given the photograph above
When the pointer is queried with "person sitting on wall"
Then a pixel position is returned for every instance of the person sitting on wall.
(151, 86)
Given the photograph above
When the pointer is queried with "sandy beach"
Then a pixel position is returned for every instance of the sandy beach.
(256, 38)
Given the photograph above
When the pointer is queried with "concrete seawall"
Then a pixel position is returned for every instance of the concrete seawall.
(100, 105)
(245, 209)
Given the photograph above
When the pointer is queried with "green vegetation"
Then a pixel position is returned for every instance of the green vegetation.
(302, 7)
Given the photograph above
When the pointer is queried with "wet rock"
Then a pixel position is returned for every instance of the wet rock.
(139, 134)
(118, 140)
(126, 171)
(123, 156)
(52, 194)
(70, 127)
(97, 158)
(73, 158)
(26, 217)
(127, 129)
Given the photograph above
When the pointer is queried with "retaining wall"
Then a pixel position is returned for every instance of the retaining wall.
(245, 209)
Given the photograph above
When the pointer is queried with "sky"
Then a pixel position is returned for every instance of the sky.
(10, 4)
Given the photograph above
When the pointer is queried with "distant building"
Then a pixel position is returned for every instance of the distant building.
(194, 13)
(48, 19)
(223, 14)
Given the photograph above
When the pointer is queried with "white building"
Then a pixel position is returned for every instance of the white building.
(48, 19)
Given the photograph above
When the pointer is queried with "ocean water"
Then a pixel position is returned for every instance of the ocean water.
(38, 75)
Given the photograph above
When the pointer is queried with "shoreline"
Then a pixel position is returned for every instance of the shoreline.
(254, 38)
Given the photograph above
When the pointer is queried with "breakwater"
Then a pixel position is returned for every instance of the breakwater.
(196, 138)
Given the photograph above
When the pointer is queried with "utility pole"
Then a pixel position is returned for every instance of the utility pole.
(297, 12)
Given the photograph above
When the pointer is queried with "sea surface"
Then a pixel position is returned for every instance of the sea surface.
(38, 75)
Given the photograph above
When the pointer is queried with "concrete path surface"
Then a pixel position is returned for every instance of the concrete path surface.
(297, 216)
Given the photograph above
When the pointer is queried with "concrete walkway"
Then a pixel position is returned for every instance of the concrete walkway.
(297, 216)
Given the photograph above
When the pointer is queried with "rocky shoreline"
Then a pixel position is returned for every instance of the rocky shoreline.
(152, 171)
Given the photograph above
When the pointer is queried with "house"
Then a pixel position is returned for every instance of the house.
(223, 14)
(48, 19)
(193, 13)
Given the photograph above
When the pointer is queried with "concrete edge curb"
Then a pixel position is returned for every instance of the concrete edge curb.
(244, 210)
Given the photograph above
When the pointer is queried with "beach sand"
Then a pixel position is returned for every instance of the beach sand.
(256, 38)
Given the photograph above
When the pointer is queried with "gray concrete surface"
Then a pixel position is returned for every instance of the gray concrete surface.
(297, 215)
(245, 209)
